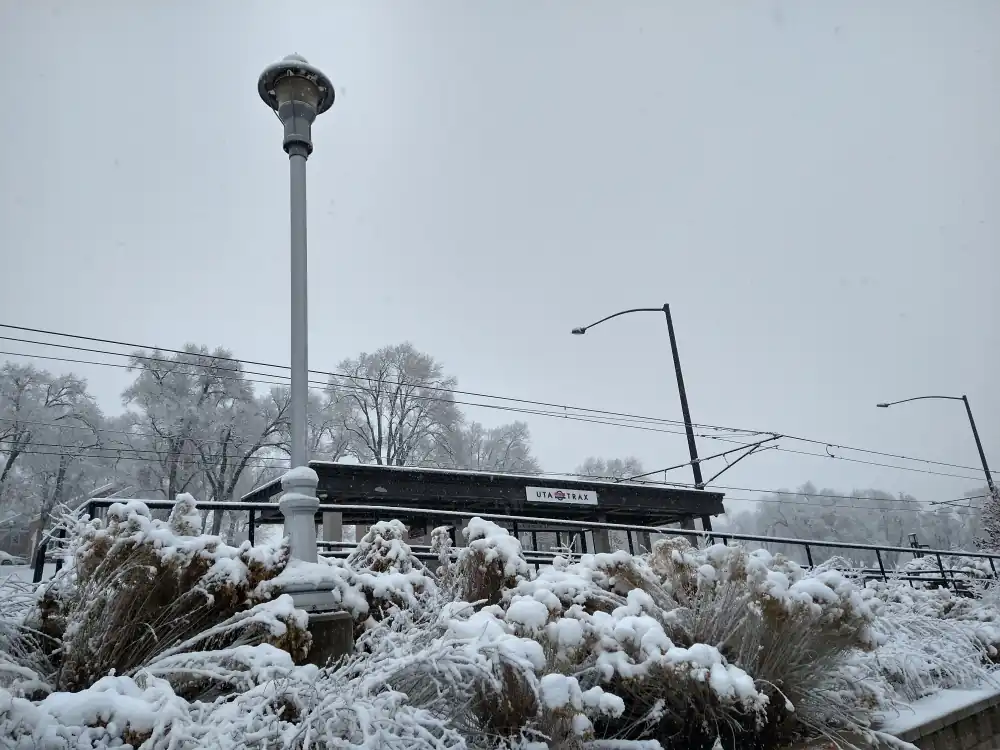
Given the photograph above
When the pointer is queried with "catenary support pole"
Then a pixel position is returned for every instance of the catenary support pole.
(979, 446)
(699, 481)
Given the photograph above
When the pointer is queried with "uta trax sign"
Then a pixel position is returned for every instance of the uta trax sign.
(560, 496)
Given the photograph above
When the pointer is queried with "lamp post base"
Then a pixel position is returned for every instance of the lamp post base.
(298, 505)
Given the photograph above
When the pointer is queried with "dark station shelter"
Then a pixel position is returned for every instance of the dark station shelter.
(508, 494)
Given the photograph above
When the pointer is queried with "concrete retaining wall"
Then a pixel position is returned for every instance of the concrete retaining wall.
(951, 720)
(975, 726)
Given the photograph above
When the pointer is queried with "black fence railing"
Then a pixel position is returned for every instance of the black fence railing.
(579, 537)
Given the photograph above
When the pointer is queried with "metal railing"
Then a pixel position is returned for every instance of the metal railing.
(577, 533)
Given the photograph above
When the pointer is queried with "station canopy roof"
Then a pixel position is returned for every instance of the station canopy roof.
(496, 492)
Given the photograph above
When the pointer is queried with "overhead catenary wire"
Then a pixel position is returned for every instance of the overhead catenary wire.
(535, 412)
(319, 385)
(281, 463)
(314, 384)
(746, 431)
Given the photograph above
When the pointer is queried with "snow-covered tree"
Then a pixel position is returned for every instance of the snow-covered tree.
(989, 538)
(198, 424)
(610, 468)
(859, 516)
(474, 447)
(51, 442)
(31, 402)
(393, 405)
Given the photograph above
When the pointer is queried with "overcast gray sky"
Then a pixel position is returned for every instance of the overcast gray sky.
(812, 186)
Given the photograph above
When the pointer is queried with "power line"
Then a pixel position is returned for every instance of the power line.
(496, 397)
(269, 463)
(348, 376)
(256, 464)
(824, 494)
(855, 507)
(535, 412)
(317, 385)
(868, 463)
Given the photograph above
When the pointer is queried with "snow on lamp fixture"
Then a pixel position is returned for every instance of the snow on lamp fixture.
(297, 92)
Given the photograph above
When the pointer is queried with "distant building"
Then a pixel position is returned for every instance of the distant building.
(17, 531)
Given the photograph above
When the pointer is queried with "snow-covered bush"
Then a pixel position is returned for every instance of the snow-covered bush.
(387, 573)
(24, 663)
(192, 644)
(704, 643)
(968, 626)
(140, 589)
(490, 562)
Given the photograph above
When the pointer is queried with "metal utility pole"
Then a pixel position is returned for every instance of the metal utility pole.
(979, 446)
(685, 411)
(699, 482)
(972, 422)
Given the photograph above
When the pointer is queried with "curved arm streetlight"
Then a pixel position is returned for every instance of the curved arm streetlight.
(583, 330)
(699, 482)
(972, 422)
(919, 398)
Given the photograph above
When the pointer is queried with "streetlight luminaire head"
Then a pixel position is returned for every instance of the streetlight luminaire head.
(297, 92)
(882, 406)
(308, 84)
(579, 331)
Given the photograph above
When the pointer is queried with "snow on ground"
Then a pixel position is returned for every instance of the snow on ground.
(25, 573)
(579, 635)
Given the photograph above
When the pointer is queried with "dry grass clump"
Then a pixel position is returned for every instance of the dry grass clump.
(384, 548)
(490, 563)
(387, 574)
(792, 629)
(705, 644)
(139, 589)
(24, 662)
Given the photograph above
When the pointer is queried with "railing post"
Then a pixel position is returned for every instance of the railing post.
(809, 555)
(251, 528)
(602, 539)
(39, 560)
(878, 556)
(941, 568)
(992, 567)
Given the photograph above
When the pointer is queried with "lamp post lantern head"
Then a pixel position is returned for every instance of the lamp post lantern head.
(579, 331)
(297, 92)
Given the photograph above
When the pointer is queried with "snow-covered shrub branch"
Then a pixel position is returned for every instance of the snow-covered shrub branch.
(140, 589)
(683, 646)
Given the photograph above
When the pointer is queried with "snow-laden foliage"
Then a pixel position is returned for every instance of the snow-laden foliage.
(140, 589)
(24, 663)
(731, 637)
(931, 639)
(989, 538)
(490, 562)
(683, 647)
